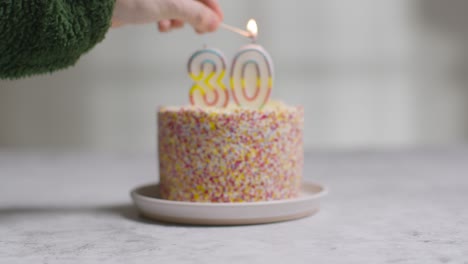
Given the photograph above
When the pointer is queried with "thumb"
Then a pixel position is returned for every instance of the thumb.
(200, 16)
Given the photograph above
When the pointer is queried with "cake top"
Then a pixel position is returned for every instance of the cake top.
(270, 107)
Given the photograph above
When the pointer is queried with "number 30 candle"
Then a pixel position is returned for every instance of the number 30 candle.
(251, 77)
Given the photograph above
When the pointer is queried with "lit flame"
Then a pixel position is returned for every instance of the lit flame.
(252, 27)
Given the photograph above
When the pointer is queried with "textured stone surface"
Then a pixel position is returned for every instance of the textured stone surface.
(394, 207)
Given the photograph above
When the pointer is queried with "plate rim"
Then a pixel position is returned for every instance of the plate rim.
(324, 190)
(228, 221)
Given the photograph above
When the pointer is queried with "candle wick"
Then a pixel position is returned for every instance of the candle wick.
(254, 39)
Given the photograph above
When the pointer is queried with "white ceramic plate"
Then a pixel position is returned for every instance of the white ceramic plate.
(146, 199)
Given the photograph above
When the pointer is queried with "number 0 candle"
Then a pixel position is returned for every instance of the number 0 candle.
(251, 77)
(207, 68)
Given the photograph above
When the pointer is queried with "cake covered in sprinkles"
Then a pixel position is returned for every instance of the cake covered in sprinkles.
(230, 154)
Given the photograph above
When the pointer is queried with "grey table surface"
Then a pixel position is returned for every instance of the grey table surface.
(383, 207)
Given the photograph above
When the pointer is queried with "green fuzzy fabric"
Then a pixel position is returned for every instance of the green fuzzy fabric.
(42, 36)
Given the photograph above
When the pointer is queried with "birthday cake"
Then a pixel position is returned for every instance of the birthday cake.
(230, 145)
(230, 154)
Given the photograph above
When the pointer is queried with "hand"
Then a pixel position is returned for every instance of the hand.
(202, 15)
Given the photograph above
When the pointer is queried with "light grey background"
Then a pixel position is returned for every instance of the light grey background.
(371, 74)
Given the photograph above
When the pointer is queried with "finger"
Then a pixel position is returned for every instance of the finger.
(200, 16)
(177, 23)
(115, 23)
(214, 5)
(164, 25)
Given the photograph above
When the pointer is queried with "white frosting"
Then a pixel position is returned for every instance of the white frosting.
(272, 106)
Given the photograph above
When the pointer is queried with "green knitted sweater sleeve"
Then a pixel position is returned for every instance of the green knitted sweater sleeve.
(42, 36)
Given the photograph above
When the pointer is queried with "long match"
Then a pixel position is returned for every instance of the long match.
(237, 30)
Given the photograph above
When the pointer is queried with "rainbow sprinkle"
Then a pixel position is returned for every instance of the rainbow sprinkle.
(230, 154)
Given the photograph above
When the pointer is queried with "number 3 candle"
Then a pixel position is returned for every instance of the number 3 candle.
(207, 68)
(251, 77)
